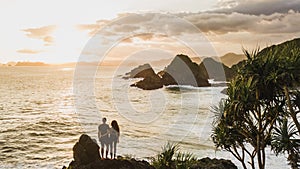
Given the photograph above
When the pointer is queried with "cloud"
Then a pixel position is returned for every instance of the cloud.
(42, 33)
(140, 24)
(48, 39)
(235, 28)
(258, 7)
(227, 3)
(129, 24)
(127, 40)
(125, 28)
(28, 51)
(208, 22)
(93, 28)
(221, 23)
(146, 38)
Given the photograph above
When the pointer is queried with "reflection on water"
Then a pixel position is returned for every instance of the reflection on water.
(40, 122)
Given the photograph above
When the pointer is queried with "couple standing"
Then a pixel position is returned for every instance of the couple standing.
(109, 137)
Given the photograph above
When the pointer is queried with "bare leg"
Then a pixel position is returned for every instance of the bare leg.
(111, 149)
(115, 149)
(102, 152)
(107, 149)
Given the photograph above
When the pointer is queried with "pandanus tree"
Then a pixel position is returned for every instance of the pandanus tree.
(287, 74)
(284, 140)
(258, 96)
(285, 134)
(249, 113)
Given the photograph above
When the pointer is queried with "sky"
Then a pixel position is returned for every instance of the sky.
(61, 31)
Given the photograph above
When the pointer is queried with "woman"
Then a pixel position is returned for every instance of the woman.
(114, 138)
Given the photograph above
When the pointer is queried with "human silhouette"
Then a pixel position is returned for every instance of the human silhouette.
(103, 135)
(114, 138)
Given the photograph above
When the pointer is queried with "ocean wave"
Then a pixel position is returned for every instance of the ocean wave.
(181, 87)
(190, 88)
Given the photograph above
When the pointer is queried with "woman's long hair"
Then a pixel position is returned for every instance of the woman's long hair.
(115, 126)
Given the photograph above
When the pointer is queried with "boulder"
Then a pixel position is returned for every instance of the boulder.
(85, 151)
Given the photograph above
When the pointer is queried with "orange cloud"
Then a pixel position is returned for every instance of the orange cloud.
(42, 33)
(92, 28)
(48, 40)
(127, 40)
(28, 51)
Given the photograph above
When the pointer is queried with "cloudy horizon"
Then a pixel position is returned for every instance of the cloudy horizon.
(58, 32)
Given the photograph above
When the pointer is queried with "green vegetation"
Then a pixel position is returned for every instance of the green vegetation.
(172, 158)
(262, 106)
(284, 141)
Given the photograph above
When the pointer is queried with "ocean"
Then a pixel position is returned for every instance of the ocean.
(41, 117)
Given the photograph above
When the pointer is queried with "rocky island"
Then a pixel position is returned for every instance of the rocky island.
(181, 71)
(150, 79)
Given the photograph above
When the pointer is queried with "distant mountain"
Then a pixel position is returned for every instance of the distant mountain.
(216, 70)
(161, 62)
(31, 64)
(231, 59)
(74, 64)
(11, 63)
(70, 64)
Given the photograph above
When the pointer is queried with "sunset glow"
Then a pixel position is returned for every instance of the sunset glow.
(57, 32)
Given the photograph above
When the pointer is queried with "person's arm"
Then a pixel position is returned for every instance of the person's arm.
(99, 133)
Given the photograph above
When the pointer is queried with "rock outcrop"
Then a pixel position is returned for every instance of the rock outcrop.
(113, 164)
(149, 83)
(86, 156)
(207, 163)
(142, 71)
(182, 71)
(151, 79)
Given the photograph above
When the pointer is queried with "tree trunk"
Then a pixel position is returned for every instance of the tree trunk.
(259, 135)
(252, 162)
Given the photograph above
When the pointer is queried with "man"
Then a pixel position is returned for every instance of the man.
(103, 131)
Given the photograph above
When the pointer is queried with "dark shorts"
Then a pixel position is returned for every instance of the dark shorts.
(104, 141)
